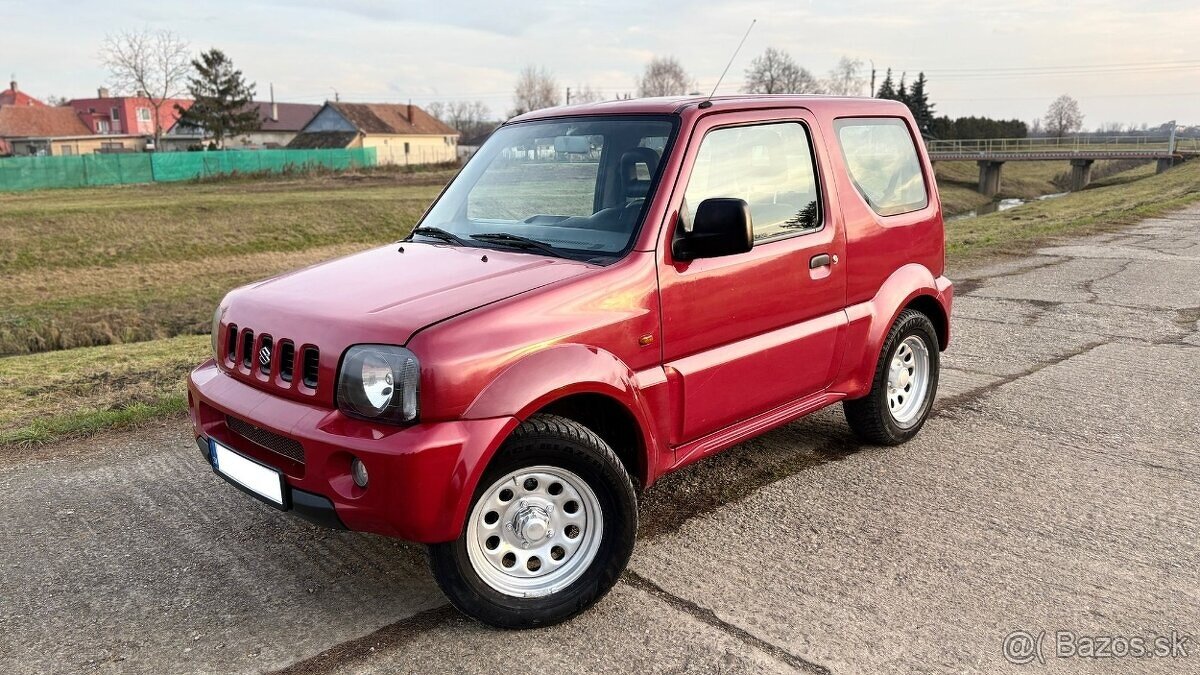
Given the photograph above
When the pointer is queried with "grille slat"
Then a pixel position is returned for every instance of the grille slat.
(312, 362)
(231, 342)
(287, 360)
(280, 445)
(247, 348)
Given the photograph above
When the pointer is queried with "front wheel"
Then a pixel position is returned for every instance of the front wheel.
(904, 385)
(550, 530)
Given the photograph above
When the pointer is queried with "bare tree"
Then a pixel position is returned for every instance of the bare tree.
(155, 65)
(1063, 117)
(665, 76)
(584, 93)
(469, 118)
(536, 89)
(776, 73)
(846, 78)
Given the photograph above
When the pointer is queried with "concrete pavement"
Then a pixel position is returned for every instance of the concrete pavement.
(1054, 489)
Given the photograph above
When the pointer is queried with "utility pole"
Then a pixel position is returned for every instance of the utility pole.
(568, 96)
(872, 78)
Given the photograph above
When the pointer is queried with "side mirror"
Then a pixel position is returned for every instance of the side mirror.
(722, 226)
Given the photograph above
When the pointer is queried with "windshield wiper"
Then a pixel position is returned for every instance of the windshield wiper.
(517, 241)
(439, 233)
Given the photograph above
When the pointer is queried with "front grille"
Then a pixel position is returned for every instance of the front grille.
(266, 439)
(245, 352)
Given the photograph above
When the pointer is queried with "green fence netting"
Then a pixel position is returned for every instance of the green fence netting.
(34, 173)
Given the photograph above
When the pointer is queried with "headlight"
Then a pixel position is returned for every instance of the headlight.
(379, 382)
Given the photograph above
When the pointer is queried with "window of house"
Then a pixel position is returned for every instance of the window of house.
(66, 150)
(768, 165)
(116, 114)
(883, 163)
(143, 114)
(406, 148)
(102, 126)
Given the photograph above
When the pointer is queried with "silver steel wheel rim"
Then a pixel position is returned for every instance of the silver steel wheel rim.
(908, 381)
(534, 532)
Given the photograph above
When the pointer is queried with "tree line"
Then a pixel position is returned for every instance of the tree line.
(158, 64)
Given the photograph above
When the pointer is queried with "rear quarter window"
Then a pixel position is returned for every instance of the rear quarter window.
(882, 160)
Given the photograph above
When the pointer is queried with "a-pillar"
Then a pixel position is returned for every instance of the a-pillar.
(1081, 173)
(989, 177)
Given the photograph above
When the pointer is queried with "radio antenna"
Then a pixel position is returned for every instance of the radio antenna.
(708, 101)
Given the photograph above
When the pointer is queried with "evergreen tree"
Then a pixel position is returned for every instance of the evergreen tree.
(221, 106)
(887, 88)
(918, 103)
(902, 90)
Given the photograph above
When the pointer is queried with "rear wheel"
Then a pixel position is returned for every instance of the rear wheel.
(904, 385)
(550, 530)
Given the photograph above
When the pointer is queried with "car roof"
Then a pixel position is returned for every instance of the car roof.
(667, 105)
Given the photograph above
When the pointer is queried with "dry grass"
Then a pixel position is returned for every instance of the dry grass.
(114, 265)
(79, 391)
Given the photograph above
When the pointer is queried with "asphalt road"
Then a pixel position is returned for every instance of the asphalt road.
(1055, 489)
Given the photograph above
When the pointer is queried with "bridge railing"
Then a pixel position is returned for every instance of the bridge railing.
(1073, 143)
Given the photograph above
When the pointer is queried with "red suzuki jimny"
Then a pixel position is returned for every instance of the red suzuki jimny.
(604, 294)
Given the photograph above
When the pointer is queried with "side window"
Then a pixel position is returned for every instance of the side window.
(768, 165)
(883, 164)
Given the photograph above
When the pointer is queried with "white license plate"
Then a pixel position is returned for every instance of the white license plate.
(257, 478)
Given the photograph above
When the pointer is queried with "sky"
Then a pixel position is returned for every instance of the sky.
(1126, 62)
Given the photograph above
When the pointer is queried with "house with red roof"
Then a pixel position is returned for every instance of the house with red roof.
(14, 96)
(125, 115)
(400, 133)
(41, 130)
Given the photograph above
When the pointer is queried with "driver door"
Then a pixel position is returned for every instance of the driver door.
(749, 332)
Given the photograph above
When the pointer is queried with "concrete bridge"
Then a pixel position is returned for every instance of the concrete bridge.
(1082, 152)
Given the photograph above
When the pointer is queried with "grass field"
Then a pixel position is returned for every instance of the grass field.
(113, 265)
(133, 273)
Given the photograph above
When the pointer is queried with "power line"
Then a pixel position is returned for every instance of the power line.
(992, 69)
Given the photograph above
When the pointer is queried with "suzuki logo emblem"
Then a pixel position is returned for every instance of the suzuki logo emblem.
(264, 357)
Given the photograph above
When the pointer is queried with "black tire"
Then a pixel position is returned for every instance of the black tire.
(869, 417)
(561, 442)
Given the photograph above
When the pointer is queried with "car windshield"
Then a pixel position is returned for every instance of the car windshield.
(573, 187)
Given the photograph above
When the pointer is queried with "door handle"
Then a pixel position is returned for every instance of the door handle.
(819, 261)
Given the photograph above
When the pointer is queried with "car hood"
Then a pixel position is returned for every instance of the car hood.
(387, 294)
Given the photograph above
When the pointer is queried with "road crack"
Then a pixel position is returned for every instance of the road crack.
(707, 616)
(967, 399)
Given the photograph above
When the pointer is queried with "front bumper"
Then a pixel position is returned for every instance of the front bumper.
(422, 477)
